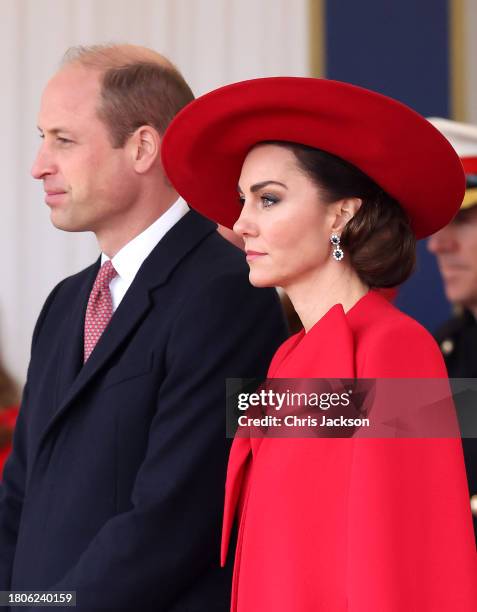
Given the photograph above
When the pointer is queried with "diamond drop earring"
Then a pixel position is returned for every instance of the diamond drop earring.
(337, 253)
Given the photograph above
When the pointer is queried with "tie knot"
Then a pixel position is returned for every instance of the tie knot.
(105, 274)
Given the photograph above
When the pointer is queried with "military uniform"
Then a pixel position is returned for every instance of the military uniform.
(458, 341)
(458, 336)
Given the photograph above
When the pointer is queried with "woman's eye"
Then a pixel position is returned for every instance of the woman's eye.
(268, 200)
(241, 200)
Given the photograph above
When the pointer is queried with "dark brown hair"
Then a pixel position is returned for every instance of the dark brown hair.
(378, 240)
(138, 87)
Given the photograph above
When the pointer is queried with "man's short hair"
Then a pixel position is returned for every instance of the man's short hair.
(138, 87)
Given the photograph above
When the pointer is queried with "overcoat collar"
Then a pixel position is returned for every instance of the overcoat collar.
(154, 272)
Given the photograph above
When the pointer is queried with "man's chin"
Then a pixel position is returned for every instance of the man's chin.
(460, 298)
(67, 225)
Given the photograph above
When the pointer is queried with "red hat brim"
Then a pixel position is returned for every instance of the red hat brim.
(205, 145)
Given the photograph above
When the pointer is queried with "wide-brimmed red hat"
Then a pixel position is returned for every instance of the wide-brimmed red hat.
(204, 147)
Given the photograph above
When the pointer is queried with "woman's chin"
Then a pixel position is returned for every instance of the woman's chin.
(261, 280)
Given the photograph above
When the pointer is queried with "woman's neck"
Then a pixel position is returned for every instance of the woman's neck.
(314, 295)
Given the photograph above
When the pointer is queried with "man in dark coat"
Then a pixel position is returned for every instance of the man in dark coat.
(115, 485)
(455, 247)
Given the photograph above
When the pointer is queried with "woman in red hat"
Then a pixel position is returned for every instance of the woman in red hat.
(329, 185)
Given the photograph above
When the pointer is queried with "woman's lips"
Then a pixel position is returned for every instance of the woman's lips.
(251, 255)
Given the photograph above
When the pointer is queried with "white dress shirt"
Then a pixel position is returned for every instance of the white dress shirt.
(130, 258)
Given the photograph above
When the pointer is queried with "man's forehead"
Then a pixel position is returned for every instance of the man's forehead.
(467, 215)
(73, 89)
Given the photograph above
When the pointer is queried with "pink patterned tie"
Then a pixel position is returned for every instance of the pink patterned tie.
(100, 308)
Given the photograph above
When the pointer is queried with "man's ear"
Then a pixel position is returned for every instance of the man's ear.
(144, 146)
(344, 211)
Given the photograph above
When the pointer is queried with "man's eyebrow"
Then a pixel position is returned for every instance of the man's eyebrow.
(465, 213)
(53, 131)
(262, 184)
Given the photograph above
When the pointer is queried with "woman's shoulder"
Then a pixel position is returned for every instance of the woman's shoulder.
(394, 344)
(383, 319)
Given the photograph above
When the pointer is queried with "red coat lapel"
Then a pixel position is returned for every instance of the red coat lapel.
(296, 358)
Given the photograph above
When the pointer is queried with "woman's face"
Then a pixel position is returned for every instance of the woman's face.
(284, 223)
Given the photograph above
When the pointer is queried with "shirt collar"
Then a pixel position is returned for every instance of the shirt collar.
(130, 258)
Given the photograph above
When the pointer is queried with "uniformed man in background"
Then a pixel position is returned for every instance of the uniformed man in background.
(455, 247)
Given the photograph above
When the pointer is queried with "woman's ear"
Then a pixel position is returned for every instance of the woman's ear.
(344, 211)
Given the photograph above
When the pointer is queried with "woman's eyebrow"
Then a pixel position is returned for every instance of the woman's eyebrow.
(262, 184)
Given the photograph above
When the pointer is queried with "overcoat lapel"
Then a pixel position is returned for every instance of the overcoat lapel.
(134, 306)
(155, 271)
(71, 360)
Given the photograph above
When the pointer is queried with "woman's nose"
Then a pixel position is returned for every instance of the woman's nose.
(245, 225)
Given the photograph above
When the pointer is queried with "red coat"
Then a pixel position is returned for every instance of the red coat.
(352, 525)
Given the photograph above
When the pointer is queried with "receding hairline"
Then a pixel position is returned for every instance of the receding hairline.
(111, 56)
(137, 86)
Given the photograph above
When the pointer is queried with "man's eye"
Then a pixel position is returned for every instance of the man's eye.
(63, 140)
(241, 200)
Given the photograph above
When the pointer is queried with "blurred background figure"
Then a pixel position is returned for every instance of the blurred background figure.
(8, 413)
(455, 247)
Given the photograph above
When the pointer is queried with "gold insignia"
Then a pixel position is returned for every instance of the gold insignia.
(473, 504)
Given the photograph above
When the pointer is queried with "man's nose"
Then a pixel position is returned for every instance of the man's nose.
(442, 241)
(43, 163)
